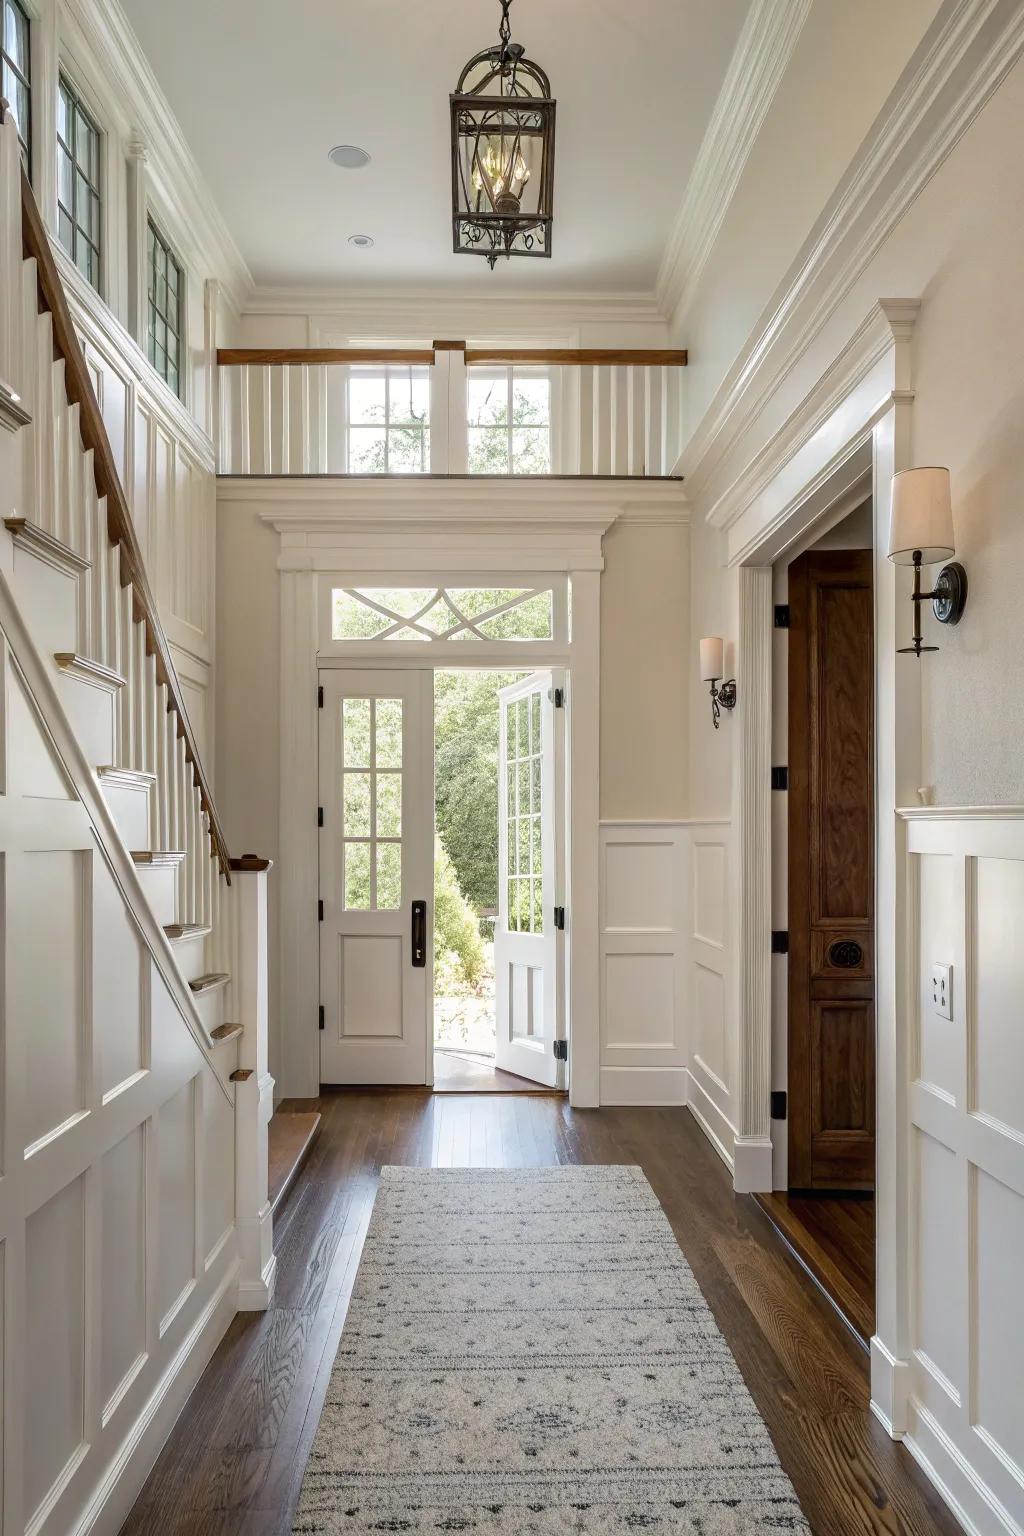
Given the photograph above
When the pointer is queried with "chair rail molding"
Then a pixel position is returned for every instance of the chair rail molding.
(966, 53)
(762, 53)
(365, 531)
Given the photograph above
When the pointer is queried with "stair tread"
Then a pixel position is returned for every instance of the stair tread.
(179, 932)
(87, 668)
(158, 857)
(53, 550)
(290, 1137)
(210, 981)
(130, 776)
(226, 1032)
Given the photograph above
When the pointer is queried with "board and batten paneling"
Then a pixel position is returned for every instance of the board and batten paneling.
(118, 1252)
(965, 1412)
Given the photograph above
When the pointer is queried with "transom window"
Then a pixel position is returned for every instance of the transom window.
(523, 759)
(78, 183)
(388, 421)
(441, 613)
(166, 286)
(509, 421)
(15, 74)
(371, 790)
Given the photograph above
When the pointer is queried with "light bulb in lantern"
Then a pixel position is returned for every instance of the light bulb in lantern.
(499, 176)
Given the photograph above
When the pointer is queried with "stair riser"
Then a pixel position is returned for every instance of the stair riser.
(160, 885)
(191, 957)
(92, 712)
(130, 809)
(211, 1008)
(48, 599)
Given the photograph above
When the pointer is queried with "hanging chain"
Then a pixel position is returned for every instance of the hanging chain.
(505, 30)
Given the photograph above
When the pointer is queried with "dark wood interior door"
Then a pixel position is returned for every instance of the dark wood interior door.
(831, 872)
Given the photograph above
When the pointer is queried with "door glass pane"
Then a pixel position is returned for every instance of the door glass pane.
(389, 805)
(389, 733)
(357, 877)
(538, 906)
(356, 733)
(356, 809)
(389, 876)
(523, 844)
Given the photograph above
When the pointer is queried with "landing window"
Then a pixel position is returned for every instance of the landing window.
(166, 285)
(79, 207)
(15, 75)
(509, 421)
(388, 421)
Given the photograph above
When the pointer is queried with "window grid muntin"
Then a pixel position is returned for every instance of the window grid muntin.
(15, 80)
(392, 426)
(511, 374)
(165, 287)
(524, 827)
(85, 174)
(414, 625)
(373, 842)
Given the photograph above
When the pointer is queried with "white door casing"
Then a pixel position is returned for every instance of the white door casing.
(527, 944)
(376, 861)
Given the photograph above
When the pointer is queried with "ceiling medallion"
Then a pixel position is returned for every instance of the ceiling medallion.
(503, 153)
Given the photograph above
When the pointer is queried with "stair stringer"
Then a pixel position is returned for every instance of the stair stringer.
(118, 1234)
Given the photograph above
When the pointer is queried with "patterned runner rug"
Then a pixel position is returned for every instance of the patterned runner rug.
(527, 1351)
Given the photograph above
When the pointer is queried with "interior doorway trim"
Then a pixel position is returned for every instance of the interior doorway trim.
(478, 539)
(856, 418)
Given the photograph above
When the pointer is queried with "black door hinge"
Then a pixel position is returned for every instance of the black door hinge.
(320, 698)
(320, 911)
(561, 1049)
(780, 941)
(781, 615)
(560, 918)
(319, 815)
(780, 778)
(321, 1015)
(778, 1104)
(558, 698)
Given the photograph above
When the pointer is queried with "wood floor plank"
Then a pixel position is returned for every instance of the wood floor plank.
(234, 1462)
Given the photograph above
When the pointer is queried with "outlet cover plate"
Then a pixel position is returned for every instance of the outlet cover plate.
(942, 990)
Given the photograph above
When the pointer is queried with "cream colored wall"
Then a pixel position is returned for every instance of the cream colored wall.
(845, 63)
(644, 672)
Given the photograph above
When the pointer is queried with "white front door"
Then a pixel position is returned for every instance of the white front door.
(376, 875)
(527, 939)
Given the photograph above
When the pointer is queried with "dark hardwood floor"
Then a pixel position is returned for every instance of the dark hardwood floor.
(235, 1459)
(835, 1238)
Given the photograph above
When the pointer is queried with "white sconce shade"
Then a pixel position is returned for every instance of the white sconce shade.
(922, 516)
(712, 659)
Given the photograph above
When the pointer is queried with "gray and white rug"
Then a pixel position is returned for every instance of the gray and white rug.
(527, 1351)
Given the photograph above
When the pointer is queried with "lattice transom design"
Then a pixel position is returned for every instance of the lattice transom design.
(441, 613)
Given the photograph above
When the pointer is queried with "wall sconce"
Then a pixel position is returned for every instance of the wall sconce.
(712, 665)
(921, 533)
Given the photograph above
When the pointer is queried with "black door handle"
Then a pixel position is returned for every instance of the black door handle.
(419, 933)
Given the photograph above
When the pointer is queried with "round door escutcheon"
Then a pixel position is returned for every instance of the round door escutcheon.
(845, 954)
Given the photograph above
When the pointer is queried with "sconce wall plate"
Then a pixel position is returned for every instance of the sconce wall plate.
(949, 596)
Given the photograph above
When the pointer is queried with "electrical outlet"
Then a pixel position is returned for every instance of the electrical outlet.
(942, 990)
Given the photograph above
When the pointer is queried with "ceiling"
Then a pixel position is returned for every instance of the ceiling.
(263, 92)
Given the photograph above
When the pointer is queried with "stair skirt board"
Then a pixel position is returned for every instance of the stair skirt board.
(611, 1369)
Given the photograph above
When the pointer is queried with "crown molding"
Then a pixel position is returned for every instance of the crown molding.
(966, 53)
(157, 133)
(759, 61)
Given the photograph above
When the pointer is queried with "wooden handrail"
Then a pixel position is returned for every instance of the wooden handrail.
(568, 357)
(120, 528)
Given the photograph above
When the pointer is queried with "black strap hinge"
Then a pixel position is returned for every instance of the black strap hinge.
(781, 615)
(321, 1016)
(560, 918)
(320, 698)
(558, 698)
(780, 941)
(319, 815)
(561, 1049)
(780, 778)
(320, 911)
(778, 1104)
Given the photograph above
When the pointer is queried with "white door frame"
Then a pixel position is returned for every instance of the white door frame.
(856, 417)
(407, 530)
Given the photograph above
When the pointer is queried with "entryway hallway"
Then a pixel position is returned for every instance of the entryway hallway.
(235, 1460)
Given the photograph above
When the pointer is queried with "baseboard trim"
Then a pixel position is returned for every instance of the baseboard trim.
(718, 1130)
(639, 1086)
(256, 1295)
(890, 1388)
(970, 1499)
(752, 1166)
(125, 1476)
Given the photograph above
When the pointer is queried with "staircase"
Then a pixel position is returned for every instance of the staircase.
(136, 1096)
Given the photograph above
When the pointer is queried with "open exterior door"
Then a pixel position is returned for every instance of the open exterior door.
(528, 937)
(376, 876)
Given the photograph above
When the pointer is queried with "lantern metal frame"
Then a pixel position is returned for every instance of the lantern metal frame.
(517, 114)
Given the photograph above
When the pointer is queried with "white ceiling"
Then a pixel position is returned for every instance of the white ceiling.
(263, 92)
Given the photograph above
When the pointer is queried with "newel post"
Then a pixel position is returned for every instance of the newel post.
(254, 1088)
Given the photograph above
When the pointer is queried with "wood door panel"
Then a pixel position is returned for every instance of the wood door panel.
(831, 871)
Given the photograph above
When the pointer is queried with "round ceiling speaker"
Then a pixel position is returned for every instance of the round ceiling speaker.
(349, 157)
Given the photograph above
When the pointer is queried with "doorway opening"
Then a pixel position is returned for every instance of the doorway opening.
(495, 818)
(823, 1045)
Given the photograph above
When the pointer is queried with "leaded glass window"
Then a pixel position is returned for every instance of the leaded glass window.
(509, 421)
(166, 286)
(16, 73)
(79, 205)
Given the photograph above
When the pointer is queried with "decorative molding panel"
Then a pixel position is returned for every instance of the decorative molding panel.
(765, 47)
(965, 1095)
(968, 50)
